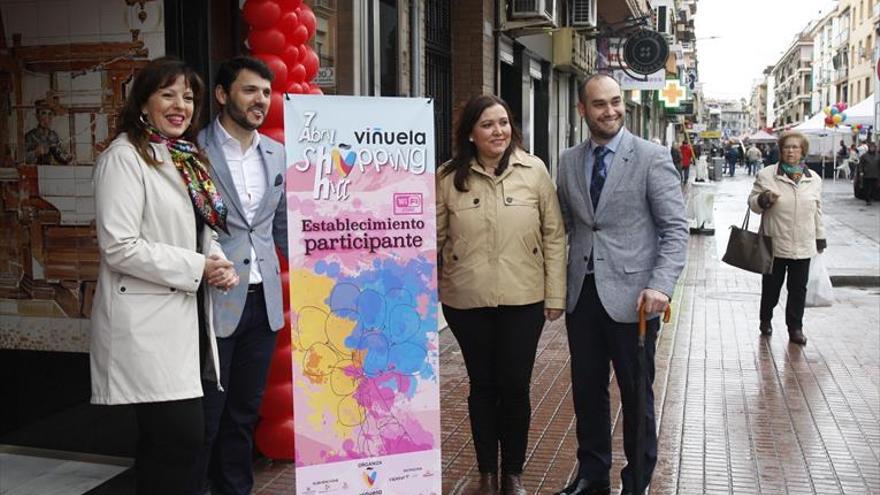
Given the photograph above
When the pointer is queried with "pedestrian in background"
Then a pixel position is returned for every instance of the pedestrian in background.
(501, 245)
(853, 161)
(675, 153)
(687, 158)
(869, 172)
(157, 217)
(772, 157)
(789, 199)
(753, 156)
(731, 156)
(627, 246)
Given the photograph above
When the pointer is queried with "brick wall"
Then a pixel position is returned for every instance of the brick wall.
(473, 52)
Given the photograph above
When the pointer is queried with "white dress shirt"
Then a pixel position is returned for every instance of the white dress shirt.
(249, 178)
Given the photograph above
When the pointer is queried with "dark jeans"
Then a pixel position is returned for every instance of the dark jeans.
(771, 285)
(685, 173)
(499, 346)
(593, 340)
(170, 435)
(230, 416)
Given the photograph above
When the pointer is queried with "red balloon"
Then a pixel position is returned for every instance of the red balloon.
(311, 64)
(278, 67)
(298, 36)
(281, 367)
(276, 111)
(287, 23)
(314, 90)
(275, 438)
(277, 401)
(261, 14)
(289, 5)
(275, 133)
(267, 41)
(829, 120)
(307, 19)
(297, 74)
(295, 88)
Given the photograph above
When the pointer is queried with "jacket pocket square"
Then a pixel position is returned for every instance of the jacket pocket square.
(278, 180)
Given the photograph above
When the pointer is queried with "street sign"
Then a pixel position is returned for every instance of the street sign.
(654, 81)
(645, 52)
(710, 134)
(326, 77)
(673, 93)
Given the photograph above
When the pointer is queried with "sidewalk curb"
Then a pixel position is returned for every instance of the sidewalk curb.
(855, 280)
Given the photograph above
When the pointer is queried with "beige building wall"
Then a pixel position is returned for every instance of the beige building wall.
(861, 43)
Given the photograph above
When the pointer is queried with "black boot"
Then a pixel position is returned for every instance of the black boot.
(488, 485)
(511, 484)
(796, 336)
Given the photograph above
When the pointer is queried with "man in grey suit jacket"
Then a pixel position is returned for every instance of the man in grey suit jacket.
(624, 215)
(249, 171)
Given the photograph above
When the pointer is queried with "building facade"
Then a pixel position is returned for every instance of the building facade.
(793, 82)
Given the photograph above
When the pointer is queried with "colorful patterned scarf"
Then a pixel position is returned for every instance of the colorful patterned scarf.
(205, 197)
(794, 172)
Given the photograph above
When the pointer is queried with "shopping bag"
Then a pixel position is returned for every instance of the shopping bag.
(748, 250)
(819, 289)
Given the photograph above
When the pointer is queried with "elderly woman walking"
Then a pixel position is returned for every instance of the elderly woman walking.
(789, 198)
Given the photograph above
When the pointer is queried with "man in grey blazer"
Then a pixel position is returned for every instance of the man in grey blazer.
(249, 171)
(624, 215)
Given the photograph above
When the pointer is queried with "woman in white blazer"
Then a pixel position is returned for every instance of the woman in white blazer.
(157, 211)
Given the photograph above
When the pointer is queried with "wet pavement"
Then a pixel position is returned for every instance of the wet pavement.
(737, 413)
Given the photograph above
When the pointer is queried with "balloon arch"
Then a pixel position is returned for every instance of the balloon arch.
(279, 35)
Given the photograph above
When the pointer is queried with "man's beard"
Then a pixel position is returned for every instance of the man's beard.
(596, 130)
(240, 117)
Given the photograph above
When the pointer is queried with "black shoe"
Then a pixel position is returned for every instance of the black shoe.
(488, 485)
(766, 328)
(511, 484)
(583, 486)
(796, 336)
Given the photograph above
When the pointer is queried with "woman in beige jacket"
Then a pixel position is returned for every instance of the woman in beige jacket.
(501, 245)
(156, 212)
(789, 198)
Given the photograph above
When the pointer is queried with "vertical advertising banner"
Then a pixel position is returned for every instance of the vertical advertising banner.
(361, 221)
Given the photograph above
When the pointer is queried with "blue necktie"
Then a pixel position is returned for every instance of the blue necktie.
(597, 180)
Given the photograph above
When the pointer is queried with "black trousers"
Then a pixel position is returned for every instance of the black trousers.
(170, 436)
(870, 186)
(771, 285)
(230, 416)
(594, 339)
(499, 346)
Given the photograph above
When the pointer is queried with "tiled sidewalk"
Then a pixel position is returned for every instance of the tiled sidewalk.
(737, 413)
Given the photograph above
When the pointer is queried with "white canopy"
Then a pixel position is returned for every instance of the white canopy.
(816, 125)
(861, 113)
(762, 137)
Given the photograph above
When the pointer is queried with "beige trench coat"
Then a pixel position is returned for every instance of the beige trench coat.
(145, 331)
(503, 241)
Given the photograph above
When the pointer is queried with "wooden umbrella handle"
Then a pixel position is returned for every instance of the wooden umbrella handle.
(643, 320)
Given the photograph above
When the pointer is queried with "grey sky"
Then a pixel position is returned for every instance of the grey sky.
(752, 35)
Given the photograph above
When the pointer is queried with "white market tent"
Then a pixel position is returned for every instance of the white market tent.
(861, 113)
(823, 140)
(762, 137)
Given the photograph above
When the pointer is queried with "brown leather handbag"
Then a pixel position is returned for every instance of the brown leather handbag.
(752, 251)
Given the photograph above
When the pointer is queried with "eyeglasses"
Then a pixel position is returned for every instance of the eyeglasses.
(791, 147)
